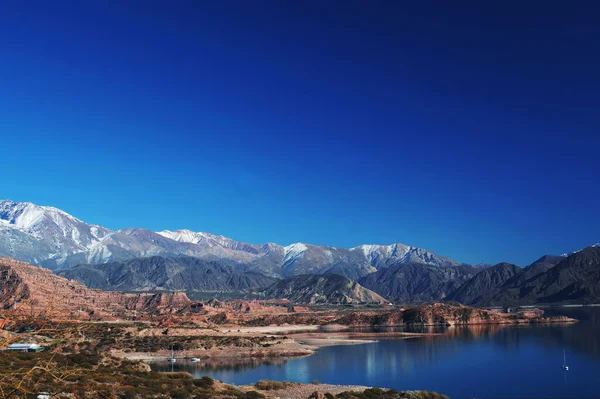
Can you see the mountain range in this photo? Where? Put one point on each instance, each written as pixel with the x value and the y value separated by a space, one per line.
pixel 418 283
pixel 142 260
pixel 322 289
pixel 49 237
pixel 565 279
pixel 177 273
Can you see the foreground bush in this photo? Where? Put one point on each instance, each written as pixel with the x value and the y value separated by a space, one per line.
pixel 378 393
pixel 268 385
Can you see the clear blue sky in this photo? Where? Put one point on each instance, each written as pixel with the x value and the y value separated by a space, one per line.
pixel 472 131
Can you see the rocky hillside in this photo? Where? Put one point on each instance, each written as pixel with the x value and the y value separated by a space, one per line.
pixel 417 283
pixel 167 273
pixel 317 289
pixel 572 279
pixel 484 282
pixel 31 289
pixel 54 239
pixel 576 279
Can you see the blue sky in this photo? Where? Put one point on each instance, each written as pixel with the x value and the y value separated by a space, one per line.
pixel 471 131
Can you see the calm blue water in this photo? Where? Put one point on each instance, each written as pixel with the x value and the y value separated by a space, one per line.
pixel 482 362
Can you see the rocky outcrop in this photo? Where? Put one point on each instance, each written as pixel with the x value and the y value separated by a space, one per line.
pixel 575 279
pixel 442 314
pixel 27 289
pixel 551 279
pixel 321 289
pixel 484 283
pixel 168 273
pixel 413 283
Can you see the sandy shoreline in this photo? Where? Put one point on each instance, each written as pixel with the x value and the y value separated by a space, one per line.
pixel 297 345
pixel 295 340
pixel 303 391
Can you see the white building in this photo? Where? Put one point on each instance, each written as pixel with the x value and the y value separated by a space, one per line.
pixel 25 347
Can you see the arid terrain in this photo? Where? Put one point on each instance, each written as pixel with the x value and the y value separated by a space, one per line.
pixel 114 333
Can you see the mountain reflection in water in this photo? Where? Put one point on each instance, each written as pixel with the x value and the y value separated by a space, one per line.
pixel 486 361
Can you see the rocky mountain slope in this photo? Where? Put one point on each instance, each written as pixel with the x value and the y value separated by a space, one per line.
pixel 575 279
pixel 167 273
pixel 315 289
pixel 484 282
pixel 417 283
pixel 54 239
pixel 551 279
pixel 32 290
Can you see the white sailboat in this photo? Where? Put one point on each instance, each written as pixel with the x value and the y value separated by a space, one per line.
pixel 565 367
pixel 172 358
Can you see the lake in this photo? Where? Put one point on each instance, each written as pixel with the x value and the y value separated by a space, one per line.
pixel 477 361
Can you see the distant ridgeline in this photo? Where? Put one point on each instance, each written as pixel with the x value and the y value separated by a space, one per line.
pixel 202 263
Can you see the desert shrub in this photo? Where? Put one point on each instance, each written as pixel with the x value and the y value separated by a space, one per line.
pixel 426 395
pixel 378 393
pixel 180 394
pixel 466 315
pixel 204 382
pixel 129 394
pixel 348 395
pixel 252 395
pixel 268 385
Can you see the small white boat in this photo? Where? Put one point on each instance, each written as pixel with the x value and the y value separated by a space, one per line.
pixel 195 359
pixel 172 358
pixel 565 367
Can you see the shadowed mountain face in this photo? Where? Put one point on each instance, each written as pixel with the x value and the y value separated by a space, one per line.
pixel 575 279
pixel 54 239
pixel 551 279
pixel 195 261
pixel 161 273
pixel 483 283
pixel 417 283
pixel 328 288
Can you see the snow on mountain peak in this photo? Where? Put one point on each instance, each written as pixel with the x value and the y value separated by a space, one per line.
pixel 193 237
pixel 294 251
pixel 597 245
pixel 50 236
pixel 25 215
pixel 58 233
pixel 20 214
pixel 374 251
pixel 182 235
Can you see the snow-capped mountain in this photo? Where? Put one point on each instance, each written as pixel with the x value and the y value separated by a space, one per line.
pixel 597 245
pixel 387 255
pixel 210 240
pixel 52 238
pixel 40 233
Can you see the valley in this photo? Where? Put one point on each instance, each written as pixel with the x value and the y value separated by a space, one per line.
pixel 90 329
pixel 207 265
pixel 122 303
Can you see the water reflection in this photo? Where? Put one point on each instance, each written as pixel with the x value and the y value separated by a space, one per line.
pixel 207 365
pixel 486 361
